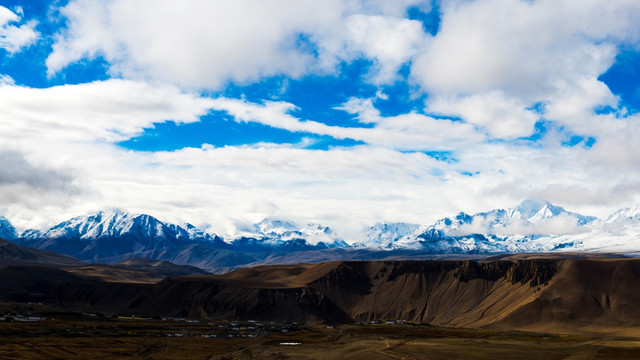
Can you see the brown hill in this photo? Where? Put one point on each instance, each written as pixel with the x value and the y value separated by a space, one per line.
pixel 32 283
pixel 136 270
pixel 32 275
pixel 547 295
pixel 114 274
pixel 159 268
pixel 14 254
pixel 590 295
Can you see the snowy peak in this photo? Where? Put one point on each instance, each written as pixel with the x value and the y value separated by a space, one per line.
pixel 274 226
pixel 387 235
pixel 535 210
pixel 7 231
pixel 111 224
pixel 116 235
pixel 315 234
pixel 504 230
pixel 31 234
pixel 626 215
pixel 455 222
pixel 196 234
pixel 276 232
pixel 538 211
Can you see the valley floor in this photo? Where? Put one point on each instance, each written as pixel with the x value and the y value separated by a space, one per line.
pixel 64 335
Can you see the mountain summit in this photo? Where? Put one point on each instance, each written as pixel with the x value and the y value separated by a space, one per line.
pixel 139 227
pixel 7 231
pixel 277 232
pixel 531 226
pixel 109 235
pixel 537 211
pixel 387 235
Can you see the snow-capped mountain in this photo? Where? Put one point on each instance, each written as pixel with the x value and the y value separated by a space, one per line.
pixel 199 235
pixel 531 226
pixel 530 217
pixel 627 216
pixel 387 235
pixel 30 235
pixel 272 232
pixel 108 224
pixel 111 235
pixel 7 231
pixel 273 226
pixel 315 234
pixel 538 211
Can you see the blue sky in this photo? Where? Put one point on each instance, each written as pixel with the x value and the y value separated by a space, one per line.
pixel 340 112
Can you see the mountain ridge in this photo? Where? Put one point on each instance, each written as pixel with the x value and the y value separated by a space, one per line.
pixel 531 226
pixel 543 295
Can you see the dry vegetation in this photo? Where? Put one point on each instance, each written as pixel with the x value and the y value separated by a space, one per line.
pixel 65 335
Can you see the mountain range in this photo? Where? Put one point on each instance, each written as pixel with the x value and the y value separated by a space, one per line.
pixel 545 293
pixel 531 226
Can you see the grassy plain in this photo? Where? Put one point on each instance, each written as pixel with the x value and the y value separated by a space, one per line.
pixel 64 335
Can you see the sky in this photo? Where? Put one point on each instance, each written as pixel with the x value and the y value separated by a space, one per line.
pixel 339 112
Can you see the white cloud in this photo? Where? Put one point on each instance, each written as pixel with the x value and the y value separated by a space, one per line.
pixel 193 43
pixel 66 133
pixel 524 48
pixel 491 61
pixel 502 116
pixel 389 42
pixel 68 130
pixel 562 224
pixel 345 188
pixel 12 37
pixel 495 59
pixel 28 184
pixel 204 44
pixel 109 110
pixel 410 131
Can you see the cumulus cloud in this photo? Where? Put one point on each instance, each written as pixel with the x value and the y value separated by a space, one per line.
pixel 490 63
pixel 496 59
pixel 389 42
pixel 13 37
pixel 499 114
pixel 109 110
pixel 525 48
pixel 204 44
pixel 346 188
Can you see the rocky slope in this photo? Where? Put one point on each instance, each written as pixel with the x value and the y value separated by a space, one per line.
pixel 556 295
pixel 13 254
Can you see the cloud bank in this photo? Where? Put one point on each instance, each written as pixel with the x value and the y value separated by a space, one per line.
pixel 507 93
